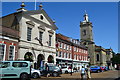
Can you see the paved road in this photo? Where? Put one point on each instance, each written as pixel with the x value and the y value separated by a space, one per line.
pixel 107 75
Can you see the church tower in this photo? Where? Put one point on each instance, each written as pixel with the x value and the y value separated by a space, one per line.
pixel 87 38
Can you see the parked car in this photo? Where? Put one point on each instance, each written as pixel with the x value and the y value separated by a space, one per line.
pixel 95 69
pixel 66 69
pixel 15 69
pixel 53 71
pixel 35 73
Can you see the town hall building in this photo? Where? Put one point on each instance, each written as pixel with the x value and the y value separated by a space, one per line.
pixel 30 35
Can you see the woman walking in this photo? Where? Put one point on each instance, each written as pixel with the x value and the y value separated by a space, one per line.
pixel 82 72
pixel 88 73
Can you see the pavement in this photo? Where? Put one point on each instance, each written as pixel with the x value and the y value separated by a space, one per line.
pixel 107 75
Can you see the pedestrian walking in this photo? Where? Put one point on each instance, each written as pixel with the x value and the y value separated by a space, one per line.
pixel 88 72
pixel 59 66
pixel 82 73
pixel 47 70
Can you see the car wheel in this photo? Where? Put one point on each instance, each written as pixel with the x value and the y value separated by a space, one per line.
pixel 35 75
pixel 55 74
pixel 98 71
pixel 24 76
pixel 66 72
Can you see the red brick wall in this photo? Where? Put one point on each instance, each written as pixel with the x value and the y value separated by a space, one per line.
pixel 8 43
pixel 73 52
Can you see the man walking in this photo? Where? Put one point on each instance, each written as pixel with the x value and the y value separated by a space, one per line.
pixel 88 73
pixel 47 69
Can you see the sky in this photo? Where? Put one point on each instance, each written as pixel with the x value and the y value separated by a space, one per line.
pixel 103 15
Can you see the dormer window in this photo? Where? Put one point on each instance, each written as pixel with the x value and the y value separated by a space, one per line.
pixel 41 17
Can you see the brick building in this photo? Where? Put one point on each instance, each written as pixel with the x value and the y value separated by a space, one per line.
pixel 9 37
pixel 69 51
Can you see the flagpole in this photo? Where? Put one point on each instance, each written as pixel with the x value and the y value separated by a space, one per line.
pixel 35 4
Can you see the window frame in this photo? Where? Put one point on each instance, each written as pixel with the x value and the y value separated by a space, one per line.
pixel 50 40
pixel 13 55
pixel 4 51
pixel 41 36
pixel 29 33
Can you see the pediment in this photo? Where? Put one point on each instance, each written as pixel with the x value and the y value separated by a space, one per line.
pixel 41 16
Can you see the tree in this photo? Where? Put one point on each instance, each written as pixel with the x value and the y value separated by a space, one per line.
pixel 116 59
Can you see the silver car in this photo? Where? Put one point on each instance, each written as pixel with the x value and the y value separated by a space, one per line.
pixel 35 73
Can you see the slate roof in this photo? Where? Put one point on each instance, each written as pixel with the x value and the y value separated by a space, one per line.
pixel 68 40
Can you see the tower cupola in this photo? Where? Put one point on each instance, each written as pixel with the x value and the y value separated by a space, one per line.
pixel 86 17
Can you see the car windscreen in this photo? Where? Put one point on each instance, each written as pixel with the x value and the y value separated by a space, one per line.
pixel 4 64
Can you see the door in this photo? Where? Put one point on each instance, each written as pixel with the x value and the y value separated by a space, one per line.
pixel 20 67
pixel 6 70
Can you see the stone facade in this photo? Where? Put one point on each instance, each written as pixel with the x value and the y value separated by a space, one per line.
pixel 36 41
pixel 42 42
pixel 98 55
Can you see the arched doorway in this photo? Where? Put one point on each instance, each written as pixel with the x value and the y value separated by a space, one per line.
pixel 28 57
pixel 40 61
pixel 98 58
pixel 50 59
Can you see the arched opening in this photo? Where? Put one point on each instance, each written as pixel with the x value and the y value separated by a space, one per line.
pixel 50 59
pixel 40 61
pixel 98 57
pixel 84 32
pixel 28 57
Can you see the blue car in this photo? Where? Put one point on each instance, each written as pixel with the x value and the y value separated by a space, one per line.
pixel 95 69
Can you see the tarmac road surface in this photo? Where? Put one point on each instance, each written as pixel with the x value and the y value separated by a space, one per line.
pixel 107 75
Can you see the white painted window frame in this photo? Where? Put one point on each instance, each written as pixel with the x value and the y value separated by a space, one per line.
pixel 13 52
pixel 4 50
